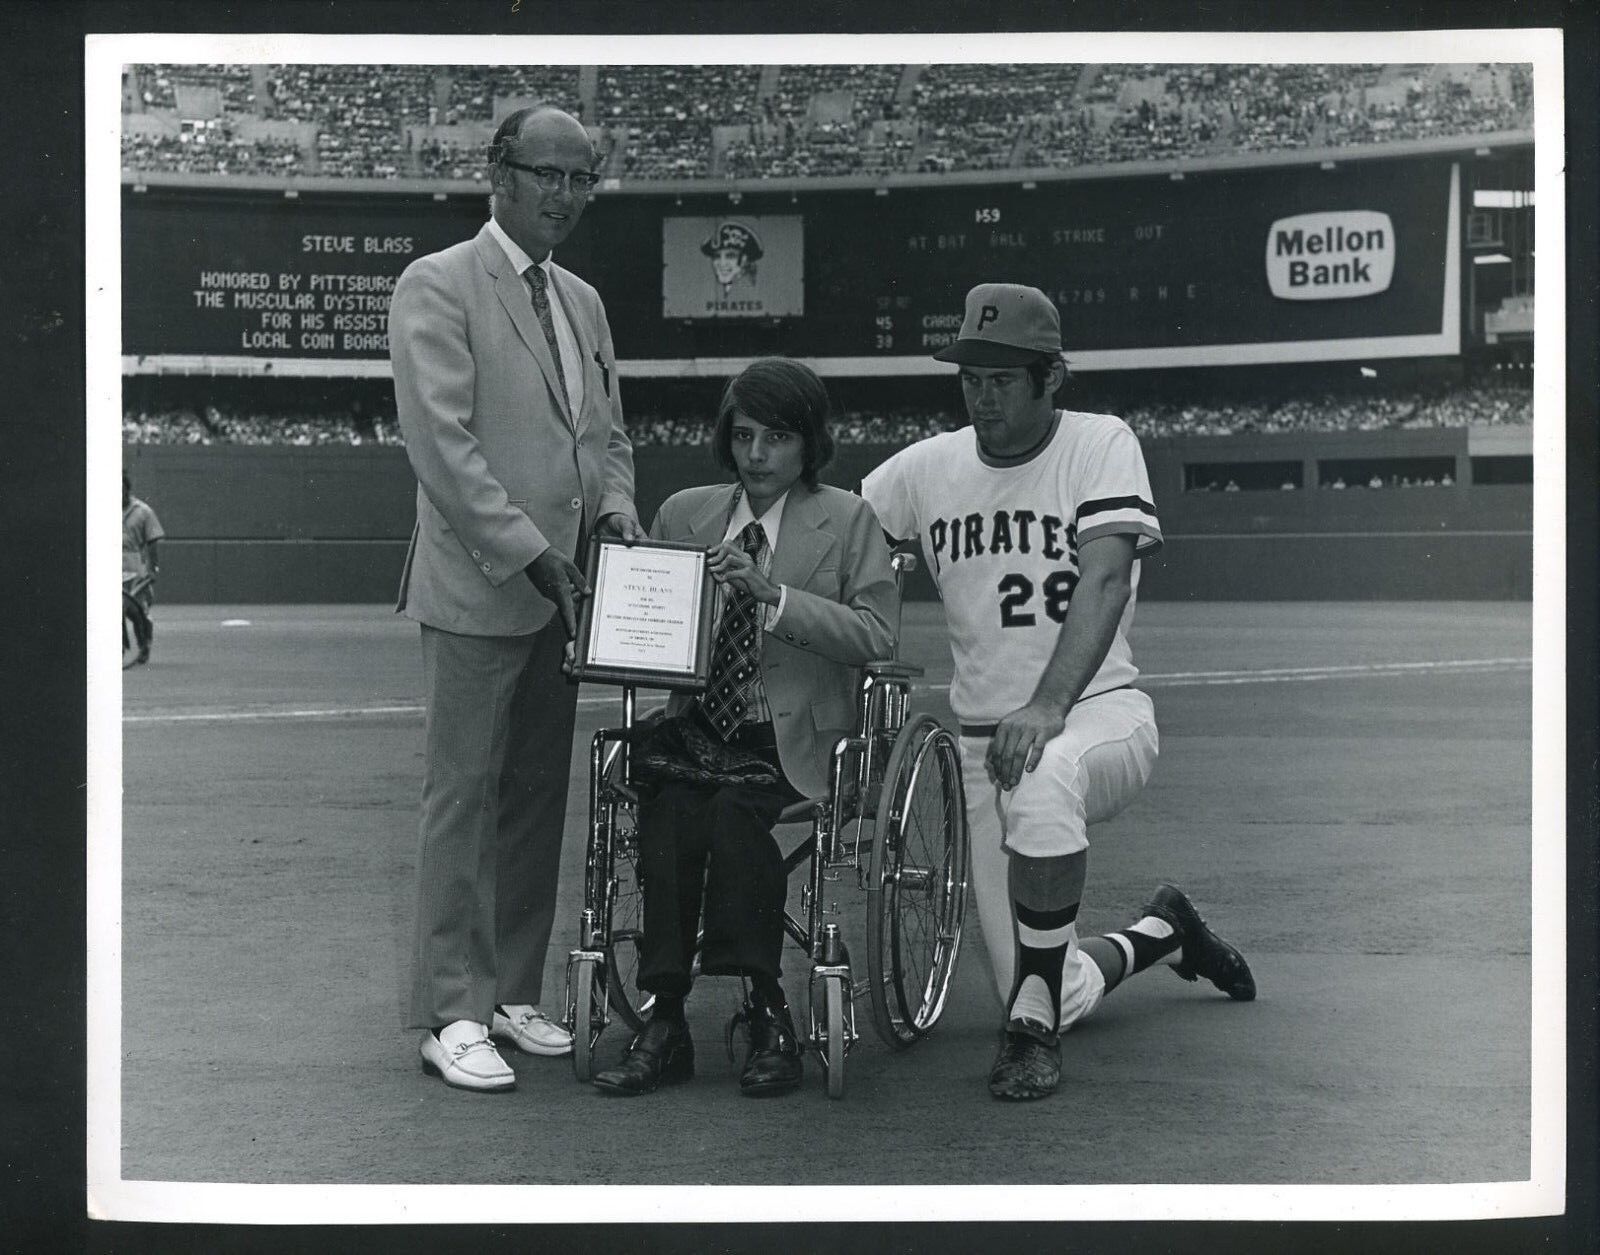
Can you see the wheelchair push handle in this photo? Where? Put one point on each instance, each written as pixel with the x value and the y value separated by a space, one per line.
pixel 902 562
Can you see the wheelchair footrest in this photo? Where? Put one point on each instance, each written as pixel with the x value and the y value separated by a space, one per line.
pixel 892 669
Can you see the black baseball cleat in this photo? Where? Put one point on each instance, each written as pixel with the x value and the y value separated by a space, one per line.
pixel 1204 953
pixel 1029 1063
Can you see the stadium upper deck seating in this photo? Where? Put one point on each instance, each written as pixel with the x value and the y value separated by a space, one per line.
pixel 809 120
pixel 473 89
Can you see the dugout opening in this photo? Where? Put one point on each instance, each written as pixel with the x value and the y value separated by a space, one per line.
pixel 1243 476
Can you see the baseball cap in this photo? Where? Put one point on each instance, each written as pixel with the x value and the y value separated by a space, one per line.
pixel 1006 324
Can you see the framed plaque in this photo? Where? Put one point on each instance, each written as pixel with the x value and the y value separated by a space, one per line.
pixel 648 618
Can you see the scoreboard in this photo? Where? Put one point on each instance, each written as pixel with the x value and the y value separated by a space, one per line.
pixel 223 276
pixel 1262 264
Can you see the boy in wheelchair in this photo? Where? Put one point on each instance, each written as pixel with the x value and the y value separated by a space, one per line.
pixel 806 595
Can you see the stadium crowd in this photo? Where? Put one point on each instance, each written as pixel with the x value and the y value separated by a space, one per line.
pixel 473 89
pixel 211 148
pixel 1473 404
pixel 815 120
pixel 668 112
pixel 213 425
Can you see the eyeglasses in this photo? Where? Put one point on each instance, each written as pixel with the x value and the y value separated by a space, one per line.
pixel 549 179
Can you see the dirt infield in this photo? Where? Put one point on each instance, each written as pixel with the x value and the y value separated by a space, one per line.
pixel 1343 789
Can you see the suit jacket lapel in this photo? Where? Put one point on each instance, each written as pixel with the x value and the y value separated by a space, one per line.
pixel 560 289
pixel 513 292
pixel 803 540
pixel 711 520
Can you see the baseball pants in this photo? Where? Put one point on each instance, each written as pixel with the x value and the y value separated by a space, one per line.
pixel 1099 763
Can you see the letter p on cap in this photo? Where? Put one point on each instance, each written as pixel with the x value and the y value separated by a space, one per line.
pixel 987 315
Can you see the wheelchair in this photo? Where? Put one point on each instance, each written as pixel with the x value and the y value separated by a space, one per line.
pixel 894 821
pixel 136 629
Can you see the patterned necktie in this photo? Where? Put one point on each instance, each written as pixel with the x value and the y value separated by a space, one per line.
pixel 736 656
pixel 538 288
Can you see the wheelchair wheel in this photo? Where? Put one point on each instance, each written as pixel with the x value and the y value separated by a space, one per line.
pixel 627 932
pixel 833 1012
pixel 917 885
pixel 588 1017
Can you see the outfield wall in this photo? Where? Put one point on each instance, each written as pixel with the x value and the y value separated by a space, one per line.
pixel 253 524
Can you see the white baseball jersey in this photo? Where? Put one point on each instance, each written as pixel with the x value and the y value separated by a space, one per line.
pixel 1002 542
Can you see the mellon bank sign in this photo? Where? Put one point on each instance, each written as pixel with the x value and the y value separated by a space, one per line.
pixel 1330 256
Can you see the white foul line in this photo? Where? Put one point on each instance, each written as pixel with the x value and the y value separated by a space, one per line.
pixel 1169 679
pixel 1273 675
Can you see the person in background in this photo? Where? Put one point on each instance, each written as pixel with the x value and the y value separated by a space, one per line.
pixel 141 559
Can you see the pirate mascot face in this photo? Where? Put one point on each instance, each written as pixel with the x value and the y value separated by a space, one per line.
pixel 734 250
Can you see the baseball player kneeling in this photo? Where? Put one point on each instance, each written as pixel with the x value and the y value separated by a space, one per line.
pixel 1033 521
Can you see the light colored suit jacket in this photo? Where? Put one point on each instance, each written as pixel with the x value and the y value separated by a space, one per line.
pixel 504 470
pixel 839 613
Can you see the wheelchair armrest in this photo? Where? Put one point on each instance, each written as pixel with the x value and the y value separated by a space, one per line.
pixel 892 669
pixel 798 812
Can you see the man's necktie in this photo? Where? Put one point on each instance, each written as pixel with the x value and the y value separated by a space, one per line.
pixel 736 655
pixel 538 287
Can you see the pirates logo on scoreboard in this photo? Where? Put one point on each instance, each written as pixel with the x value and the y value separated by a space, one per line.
pixel 724 267
pixel 734 249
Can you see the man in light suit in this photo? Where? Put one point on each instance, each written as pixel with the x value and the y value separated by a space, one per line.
pixel 506 388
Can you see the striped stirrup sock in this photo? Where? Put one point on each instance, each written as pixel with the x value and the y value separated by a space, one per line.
pixel 1043 938
pixel 1144 943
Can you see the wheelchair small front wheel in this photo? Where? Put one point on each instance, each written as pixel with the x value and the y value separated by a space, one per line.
pixel 588 1016
pixel 917 883
pixel 833 1015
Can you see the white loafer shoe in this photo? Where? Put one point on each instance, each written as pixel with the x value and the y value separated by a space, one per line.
pixel 463 1057
pixel 531 1031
